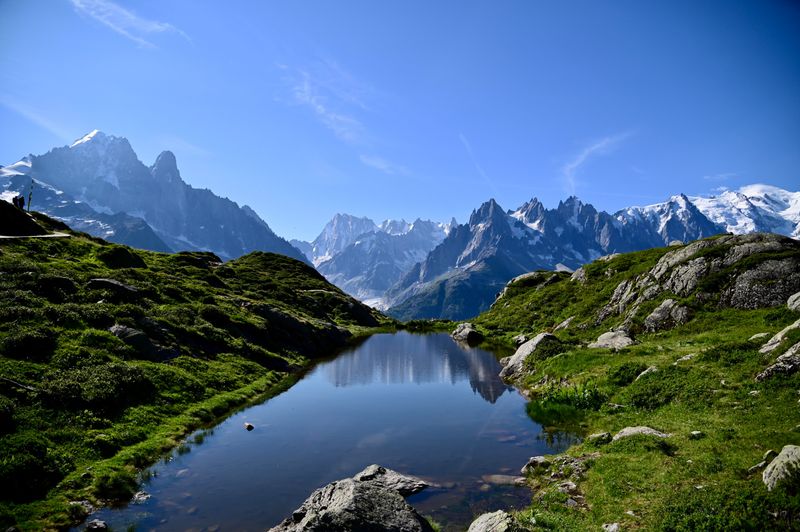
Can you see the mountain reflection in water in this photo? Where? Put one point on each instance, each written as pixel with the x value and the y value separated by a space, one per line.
pixel 399 360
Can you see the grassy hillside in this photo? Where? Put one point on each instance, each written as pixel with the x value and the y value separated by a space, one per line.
pixel 704 381
pixel 109 356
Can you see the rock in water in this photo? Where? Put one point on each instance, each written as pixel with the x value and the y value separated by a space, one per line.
pixel 498 521
pixel 465 332
pixel 513 365
pixel 784 468
pixel 371 500
pixel 615 340
pixel 248 426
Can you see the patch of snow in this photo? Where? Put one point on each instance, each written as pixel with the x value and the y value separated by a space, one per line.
pixel 86 138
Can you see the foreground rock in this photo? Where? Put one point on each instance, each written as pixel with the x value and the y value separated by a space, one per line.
pixel 794 302
pixel 636 431
pixel 786 364
pixel 513 365
pixel 784 468
pixel 371 500
pixel 465 332
pixel 498 521
pixel 615 340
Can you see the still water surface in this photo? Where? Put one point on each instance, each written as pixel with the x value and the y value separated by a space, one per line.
pixel 419 404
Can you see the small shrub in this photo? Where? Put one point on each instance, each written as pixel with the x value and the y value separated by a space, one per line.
pixel 118 486
pixel 669 384
pixel 730 353
pixel 29 466
pixel 106 387
pixel 626 373
pixel 29 344
pixel 6 414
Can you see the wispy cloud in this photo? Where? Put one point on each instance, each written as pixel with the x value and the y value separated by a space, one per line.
pixel 125 22
pixel 35 116
pixel 725 176
pixel 333 94
pixel 379 163
pixel 600 147
pixel 474 160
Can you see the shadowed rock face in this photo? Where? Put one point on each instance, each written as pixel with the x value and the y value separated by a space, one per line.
pixel 370 501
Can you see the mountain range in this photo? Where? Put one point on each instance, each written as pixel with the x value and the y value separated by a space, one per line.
pixel 419 269
pixel 98 185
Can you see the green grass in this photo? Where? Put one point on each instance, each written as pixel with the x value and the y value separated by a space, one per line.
pixel 82 411
pixel 679 483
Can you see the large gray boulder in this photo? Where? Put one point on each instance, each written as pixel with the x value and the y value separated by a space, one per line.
pixel 615 340
pixel 636 431
pixel 793 303
pixel 776 340
pixel 371 500
pixel 784 468
pixel 465 332
pixel 513 365
pixel 499 521
pixel 667 315
pixel 786 364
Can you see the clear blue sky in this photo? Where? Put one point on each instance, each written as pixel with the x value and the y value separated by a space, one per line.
pixel 406 109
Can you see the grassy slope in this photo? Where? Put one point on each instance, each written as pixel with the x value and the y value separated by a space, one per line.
pixel 683 485
pixel 96 409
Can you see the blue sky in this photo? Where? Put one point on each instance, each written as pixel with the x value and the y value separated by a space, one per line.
pixel 415 109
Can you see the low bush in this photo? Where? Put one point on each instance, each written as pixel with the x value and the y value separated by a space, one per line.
pixel 118 486
pixel 29 344
pixel 626 373
pixel 29 466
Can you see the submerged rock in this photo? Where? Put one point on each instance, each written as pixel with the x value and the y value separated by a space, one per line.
pixel 96 524
pixel 615 340
pixel 371 500
pixel 784 468
pixel 465 332
pixel 499 521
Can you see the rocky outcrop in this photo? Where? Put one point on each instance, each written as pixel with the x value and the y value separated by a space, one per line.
pixel 637 431
pixel 785 468
pixel 773 343
pixel 667 315
pixel 466 332
pixel 615 340
pixel 116 288
pixel 786 364
pixel 499 521
pixel 768 278
pixel 513 365
pixel 371 500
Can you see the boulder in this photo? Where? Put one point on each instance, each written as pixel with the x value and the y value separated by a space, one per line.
pixel 96 524
pixel 648 371
pixel 499 521
pixel 783 468
pixel 117 288
pixel 371 500
pixel 615 340
pixel 465 332
pixel 786 364
pixel 776 340
pixel 513 365
pixel 696 435
pixel 794 302
pixel 768 284
pixel 599 438
pixel 520 339
pixel 534 463
pixel 667 315
pixel 564 324
pixel 610 527
pixel 635 431
pixel 405 485
pixel 142 343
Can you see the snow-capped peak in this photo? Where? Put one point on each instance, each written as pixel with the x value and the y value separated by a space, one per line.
pixel 20 167
pixel 86 138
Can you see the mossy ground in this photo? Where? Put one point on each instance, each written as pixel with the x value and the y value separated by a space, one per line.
pixel 682 483
pixel 82 411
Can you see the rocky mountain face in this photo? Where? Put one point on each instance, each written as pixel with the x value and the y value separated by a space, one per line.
pixel 462 276
pixel 98 185
pixel 365 259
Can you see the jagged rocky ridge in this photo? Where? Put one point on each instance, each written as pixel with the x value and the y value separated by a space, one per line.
pixel 98 185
